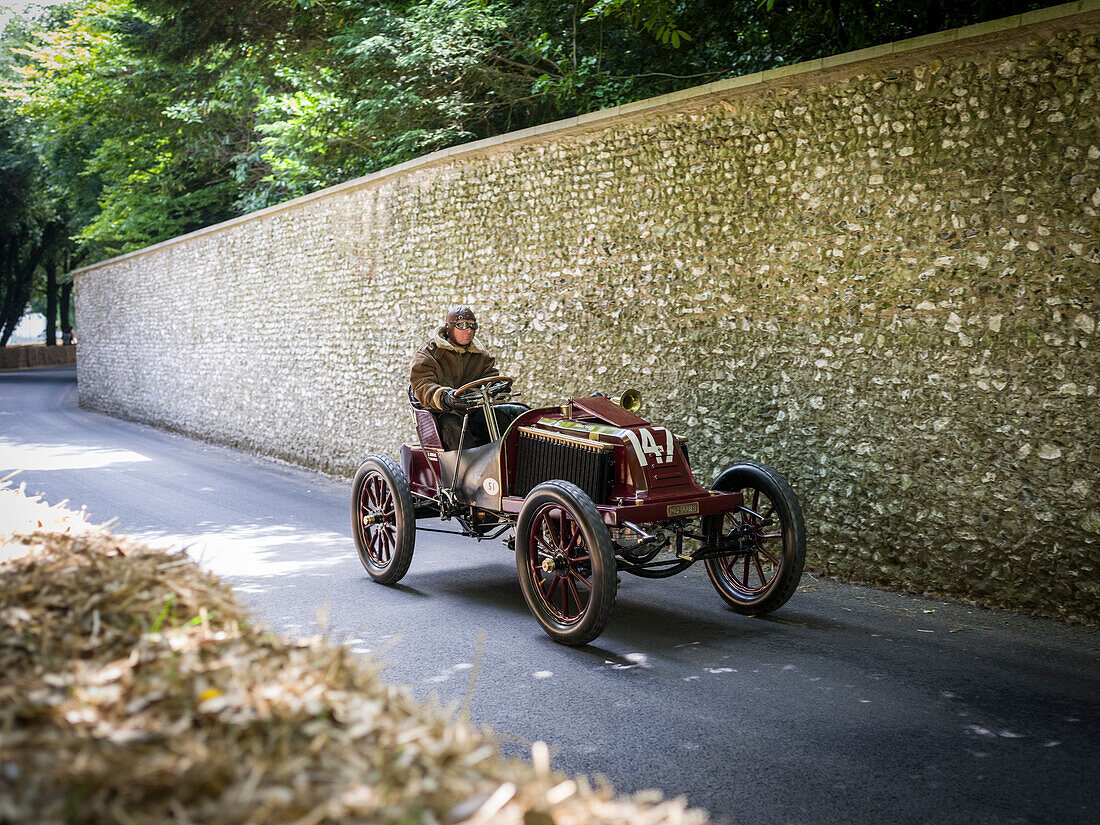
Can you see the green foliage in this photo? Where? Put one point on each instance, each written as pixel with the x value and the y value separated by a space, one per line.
pixel 32 229
pixel 155 141
pixel 652 16
pixel 151 118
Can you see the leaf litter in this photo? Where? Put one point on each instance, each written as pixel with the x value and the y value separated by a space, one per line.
pixel 138 690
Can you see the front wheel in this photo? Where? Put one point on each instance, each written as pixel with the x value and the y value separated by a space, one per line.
pixel 565 562
pixel 767 539
pixel 383 520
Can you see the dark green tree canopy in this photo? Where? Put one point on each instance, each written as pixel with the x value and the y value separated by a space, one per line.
pixel 151 118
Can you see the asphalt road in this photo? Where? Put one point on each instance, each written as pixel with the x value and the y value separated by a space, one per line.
pixel 850 705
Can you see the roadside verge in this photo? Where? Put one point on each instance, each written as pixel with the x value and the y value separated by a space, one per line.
pixel 24 356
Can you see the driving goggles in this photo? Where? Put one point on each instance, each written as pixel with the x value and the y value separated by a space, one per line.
pixel 464 324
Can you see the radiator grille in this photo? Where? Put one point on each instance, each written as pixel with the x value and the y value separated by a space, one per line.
pixel 544 456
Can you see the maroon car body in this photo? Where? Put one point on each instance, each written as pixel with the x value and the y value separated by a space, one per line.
pixel 650 478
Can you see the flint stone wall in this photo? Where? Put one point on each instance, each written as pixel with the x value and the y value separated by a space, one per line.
pixel 878 273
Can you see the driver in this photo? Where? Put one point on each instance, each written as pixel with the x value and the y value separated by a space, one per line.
pixel 452 359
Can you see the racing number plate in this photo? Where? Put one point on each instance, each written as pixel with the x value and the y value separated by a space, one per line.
pixel 683 509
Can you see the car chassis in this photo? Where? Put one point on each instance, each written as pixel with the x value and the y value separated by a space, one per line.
pixel 588 490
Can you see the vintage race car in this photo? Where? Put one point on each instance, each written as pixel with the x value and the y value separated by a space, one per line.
pixel 582 492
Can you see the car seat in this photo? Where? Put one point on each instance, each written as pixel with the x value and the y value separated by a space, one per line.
pixel 426 428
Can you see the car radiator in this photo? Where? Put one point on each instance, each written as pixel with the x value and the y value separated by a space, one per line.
pixel 543 456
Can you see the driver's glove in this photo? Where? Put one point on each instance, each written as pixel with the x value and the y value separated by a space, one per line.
pixel 451 402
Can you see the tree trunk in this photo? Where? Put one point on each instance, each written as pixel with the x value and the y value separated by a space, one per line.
pixel 17 289
pixel 21 294
pixel 51 303
pixel 66 324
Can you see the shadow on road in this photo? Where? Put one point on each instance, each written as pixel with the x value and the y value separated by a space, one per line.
pixel 649 615
pixel 41 375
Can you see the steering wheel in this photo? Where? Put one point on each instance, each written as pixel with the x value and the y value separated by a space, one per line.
pixel 494 385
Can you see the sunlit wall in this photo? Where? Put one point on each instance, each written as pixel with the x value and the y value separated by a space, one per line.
pixel 878 273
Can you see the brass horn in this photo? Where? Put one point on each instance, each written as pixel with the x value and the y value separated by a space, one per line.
pixel 630 400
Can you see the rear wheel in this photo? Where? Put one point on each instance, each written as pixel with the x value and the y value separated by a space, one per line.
pixel 769 536
pixel 565 562
pixel 382 519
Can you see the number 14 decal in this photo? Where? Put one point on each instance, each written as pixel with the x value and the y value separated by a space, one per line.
pixel 647 447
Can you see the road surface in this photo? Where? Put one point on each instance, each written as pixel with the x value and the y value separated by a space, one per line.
pixel 850 705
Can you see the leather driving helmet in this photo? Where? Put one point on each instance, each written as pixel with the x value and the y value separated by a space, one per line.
pixel 463 315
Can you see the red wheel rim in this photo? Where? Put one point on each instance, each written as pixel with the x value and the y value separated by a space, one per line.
pixel 752 573
pixel 377 520
pixel 560 564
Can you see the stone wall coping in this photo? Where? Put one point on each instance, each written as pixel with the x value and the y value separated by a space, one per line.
pixel 1022 23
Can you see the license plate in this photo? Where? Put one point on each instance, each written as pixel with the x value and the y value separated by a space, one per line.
pixel 683 509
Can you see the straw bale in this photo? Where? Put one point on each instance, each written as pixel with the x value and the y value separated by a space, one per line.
pixel 26 356
pixel 137 690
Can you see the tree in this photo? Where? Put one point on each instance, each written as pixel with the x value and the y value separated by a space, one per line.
pixel 27 233
pixel 51 285
pixel 152 118
pixel 818 28
pixel 153 146
pixel 35 228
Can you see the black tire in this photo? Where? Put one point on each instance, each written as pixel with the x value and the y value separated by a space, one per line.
pixel 770 523
pixel 559 522
pixel 383 520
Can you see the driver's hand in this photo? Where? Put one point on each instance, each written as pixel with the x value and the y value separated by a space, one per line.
pixel 454 403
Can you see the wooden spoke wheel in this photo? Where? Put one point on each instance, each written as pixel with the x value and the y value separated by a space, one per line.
pixel 382 519
pixel 766 540
pixel 565 562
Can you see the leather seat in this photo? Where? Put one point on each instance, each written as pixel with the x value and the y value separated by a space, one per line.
pixel 426 428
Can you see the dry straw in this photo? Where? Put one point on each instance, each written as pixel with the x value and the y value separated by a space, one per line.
pixel 137 690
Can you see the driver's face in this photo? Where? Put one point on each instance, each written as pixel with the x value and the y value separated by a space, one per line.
pixel 462 337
